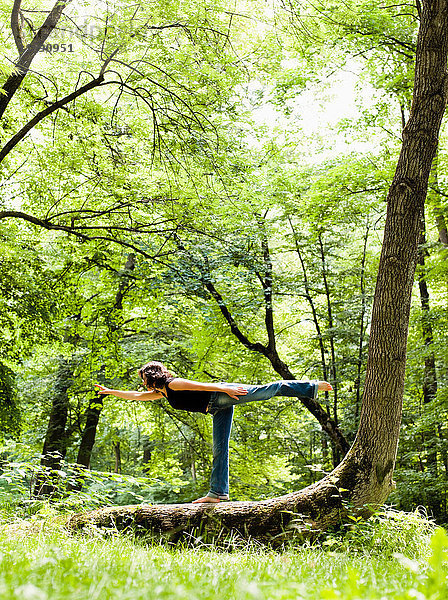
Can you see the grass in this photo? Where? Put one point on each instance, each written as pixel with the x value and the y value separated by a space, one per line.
pixel 392 556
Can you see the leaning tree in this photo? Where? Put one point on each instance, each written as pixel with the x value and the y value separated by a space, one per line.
pixel 364 478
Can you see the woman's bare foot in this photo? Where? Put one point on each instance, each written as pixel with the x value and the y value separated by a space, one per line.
pixel 206 499
pixel 324 386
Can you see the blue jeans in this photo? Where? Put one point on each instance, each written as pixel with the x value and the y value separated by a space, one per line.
pixel 221 408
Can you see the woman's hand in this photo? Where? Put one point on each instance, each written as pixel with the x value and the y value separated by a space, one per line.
pixel 102 389
pixel 234 392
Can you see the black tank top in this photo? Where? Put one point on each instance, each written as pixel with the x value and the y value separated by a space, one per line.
pixel 191 400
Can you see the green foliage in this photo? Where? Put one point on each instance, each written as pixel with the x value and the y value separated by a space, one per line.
pixel 385 534
pixel 76 488
pixel 27 296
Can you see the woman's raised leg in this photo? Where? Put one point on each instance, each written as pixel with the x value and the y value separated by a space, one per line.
pixel 258 393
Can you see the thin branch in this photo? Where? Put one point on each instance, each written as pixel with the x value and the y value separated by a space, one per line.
pixel 439 191
pixel 310 300
pixel 407 4
pixel 48 224
pixel 240 336
pixel 172 94
pixel 267 283
pixel 419 9
pixel 16 26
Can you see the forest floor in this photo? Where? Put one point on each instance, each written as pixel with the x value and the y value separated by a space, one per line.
pixel 392 556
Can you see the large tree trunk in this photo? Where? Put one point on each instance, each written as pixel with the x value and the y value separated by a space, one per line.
pixel 364 478
pixel 371 460
pixel 55 444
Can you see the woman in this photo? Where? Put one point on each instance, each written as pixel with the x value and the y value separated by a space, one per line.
pixel 217 399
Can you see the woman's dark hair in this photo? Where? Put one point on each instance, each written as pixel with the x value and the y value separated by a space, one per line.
pixel 155 374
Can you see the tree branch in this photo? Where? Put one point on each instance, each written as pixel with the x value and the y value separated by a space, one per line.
pixel 310 301
pixel 16 27
pixel 18 137
pixel 78 232
pixel 22 65
pixel 267 283
pixel 240 336
pixel 334 379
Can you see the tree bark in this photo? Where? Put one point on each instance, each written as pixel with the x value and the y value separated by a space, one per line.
pixel 89 433
pixel 55 444
pixel 364 477
pixel 117 454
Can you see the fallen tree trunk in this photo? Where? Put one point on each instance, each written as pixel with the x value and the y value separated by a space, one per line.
pixel 364 478
pixel 305 513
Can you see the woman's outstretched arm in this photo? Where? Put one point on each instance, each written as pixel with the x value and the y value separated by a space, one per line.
pixel 141 396
pixel 186 384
